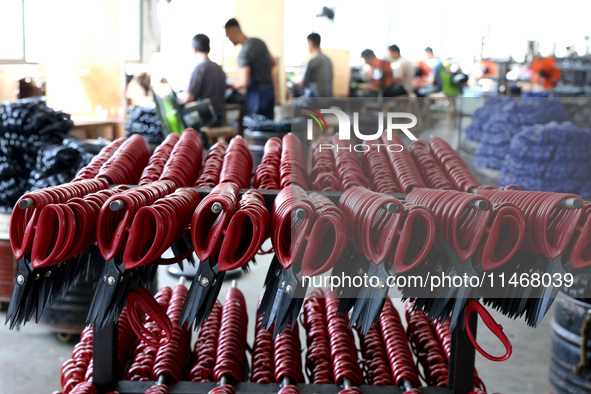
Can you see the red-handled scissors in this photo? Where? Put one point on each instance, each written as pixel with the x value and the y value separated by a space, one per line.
pixel 246 232
pixel 292 218
pixel 493 326
pixel 417 228
pixel 157 227
pixel 326 240
pixel 211 219
pixel 140 303
pixel 503 236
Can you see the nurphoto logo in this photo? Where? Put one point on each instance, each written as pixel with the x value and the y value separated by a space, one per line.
pixel 344 133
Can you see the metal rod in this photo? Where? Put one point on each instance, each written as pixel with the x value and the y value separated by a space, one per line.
pixel 479 204
pixel 347 383
pixel 300 213
pixel 162 379
pixel 461 360
pixel 391 207
pixel 105 362
pixel 225 379
pixel 570 202
pixel 117 205
pixel 285 381
pixel 407 384
pixel 216 207
pixel 26 203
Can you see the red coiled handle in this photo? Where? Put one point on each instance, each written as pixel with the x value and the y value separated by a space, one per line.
pixel 291 219
pixel 212 166
pixel 248 228
pixel 211 219
pixel 504 236
pixel 373 220
pixel 455 168
pixel 581 250
pixel 266 176
pixel 141 302
pixel 327 238
pixel 416 238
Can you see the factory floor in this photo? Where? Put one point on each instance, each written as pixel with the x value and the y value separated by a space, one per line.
pixel 31 358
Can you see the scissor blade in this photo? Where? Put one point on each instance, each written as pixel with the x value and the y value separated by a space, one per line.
pixel 371 299
pixel 355 266
pixel 279 312
pixel 197 294
pixel 104 293
pixel 271 284
pixel 282 306
pixel 211 298
pixel 549 293
pixel 45 288
pixel 20 291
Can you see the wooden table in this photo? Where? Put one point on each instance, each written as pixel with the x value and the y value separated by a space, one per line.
pixel 92 128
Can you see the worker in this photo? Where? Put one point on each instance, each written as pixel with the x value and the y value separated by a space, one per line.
pixel 403 73
pixel 317 74
pixel 254 73
pixel 430 59
pixel 380 74
pixel 208 80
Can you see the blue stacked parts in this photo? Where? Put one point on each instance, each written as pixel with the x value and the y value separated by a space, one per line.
pixel 481 116
pixel 505 119
pixel 550 157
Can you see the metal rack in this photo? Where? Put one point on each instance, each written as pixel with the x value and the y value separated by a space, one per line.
pixel 106 369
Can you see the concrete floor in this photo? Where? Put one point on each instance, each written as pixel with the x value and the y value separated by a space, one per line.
pixel 31 358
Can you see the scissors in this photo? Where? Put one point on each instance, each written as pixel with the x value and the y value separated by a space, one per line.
pixel 291 221
pixel 414 237
pixel 208 226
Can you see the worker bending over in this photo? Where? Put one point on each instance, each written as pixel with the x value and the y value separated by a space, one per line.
pixel 254 72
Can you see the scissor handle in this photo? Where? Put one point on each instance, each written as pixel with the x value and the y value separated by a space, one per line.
pixel 141 302
pixel 504 236
pixel 582 239
pixel 419 226
pixel 493 326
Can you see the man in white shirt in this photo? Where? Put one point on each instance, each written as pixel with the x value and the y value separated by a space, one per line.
pixel 403 72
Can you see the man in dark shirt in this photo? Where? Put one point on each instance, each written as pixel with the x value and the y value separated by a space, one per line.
pixel 317 75
pixel 380 77
pixel 208 80
pixel 254 72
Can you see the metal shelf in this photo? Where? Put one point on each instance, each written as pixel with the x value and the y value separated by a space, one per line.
pixel 128 387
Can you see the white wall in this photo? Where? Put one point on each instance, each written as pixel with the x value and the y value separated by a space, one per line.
pixel 453 28
pixel 183 19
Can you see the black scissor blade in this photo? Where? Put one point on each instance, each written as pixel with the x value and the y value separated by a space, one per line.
pixel 548 294
pixel 271 283
pixel 371 299
pixel 212 297
pixel 104 293
pixel 20 291
pixel 353 267
pixel 198 291
pixel 282 305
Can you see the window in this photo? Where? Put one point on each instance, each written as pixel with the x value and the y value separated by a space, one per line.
pixel 130 14
pixel 11 27
pixel 23 23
